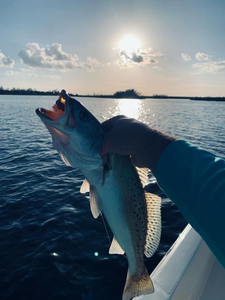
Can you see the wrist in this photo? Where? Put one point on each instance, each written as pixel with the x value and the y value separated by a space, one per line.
pixel 160 142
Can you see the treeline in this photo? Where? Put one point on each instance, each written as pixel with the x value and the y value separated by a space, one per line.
pixel 128 94
pixel 132 93
pixel 29 91
pixel 208 98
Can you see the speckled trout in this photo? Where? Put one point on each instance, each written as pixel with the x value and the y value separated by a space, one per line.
pixel 115 186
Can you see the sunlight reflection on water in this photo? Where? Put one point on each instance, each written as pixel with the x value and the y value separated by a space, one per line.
pixel 130 107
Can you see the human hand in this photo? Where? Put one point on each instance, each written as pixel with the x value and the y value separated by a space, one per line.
pixel 130 137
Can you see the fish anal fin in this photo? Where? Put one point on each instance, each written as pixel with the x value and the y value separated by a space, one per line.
pixel 115 248
pixel 85 187
pixel 153 204
pixel 143 175
pixel 94 202
pixel 136 286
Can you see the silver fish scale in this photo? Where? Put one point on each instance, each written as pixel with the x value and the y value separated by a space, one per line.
pixel 124 172
pixel 139 212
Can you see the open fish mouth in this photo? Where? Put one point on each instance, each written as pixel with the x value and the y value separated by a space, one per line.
pixel 58 109
pixel 60 120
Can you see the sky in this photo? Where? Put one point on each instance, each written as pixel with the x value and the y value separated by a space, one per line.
pixel 174 47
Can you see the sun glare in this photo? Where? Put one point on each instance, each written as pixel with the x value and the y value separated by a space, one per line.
pixel 130 107
pixel 129 44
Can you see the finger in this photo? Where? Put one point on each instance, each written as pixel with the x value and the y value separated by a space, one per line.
pixel 137 162
pixel 108 125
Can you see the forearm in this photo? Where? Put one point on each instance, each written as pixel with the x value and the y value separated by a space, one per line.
pixel 194 180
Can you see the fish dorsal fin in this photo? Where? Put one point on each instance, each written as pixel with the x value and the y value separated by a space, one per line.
pixel 85 187
pixel 94 202
pixel 143 175
pixel 115 248
pixel 153 234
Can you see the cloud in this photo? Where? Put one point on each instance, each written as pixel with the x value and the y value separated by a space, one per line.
pixel 33 75
pixel 140 57
pixel 202 56
pixel 121 64
pixel 6 61
pixel 53 57
pixel 149 52
pixel 90 63
pixel 51 76
pixel 133 57
pixel 55 50
pixel 211 67
pixel 11 73
pixel 26 70
pixel 185 57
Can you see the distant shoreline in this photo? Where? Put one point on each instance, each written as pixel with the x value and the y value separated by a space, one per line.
pixel 155 97
pixel 208 98
pixel 56 93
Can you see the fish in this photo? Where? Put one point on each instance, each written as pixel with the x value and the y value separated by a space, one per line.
pixel 115 186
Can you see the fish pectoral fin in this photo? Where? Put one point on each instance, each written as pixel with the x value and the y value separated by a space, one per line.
pixel 143 175
pixel 115 248
pixel 153 204
pixel 85 187
pixel 94 202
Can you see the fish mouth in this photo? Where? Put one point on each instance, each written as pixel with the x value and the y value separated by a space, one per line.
pixel 59 109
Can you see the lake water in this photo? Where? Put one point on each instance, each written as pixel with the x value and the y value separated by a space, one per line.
pixel 51 247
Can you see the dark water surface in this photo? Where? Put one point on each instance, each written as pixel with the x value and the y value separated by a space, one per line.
pixel 48 236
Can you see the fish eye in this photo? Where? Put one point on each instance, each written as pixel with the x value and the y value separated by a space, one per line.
pixel 83 116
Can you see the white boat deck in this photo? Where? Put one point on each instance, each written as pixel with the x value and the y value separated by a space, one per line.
pixel 189 271
pixel 215 284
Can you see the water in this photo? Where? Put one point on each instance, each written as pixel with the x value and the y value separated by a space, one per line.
pixel 51 247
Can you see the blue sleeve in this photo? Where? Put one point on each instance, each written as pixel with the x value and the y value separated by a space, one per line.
pixel 194 180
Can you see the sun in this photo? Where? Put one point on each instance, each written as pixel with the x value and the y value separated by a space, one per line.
pixel 129 44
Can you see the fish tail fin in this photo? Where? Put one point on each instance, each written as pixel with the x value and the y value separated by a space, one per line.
pixel 136 286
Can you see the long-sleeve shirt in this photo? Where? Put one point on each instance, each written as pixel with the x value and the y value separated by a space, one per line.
pixel 194 179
